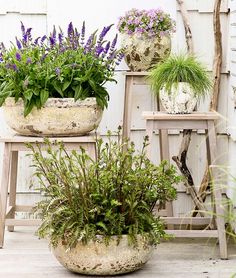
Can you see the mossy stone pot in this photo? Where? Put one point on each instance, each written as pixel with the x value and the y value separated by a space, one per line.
pixel 181 99
pixel 142 53
pixel 58 117
pixel 97 258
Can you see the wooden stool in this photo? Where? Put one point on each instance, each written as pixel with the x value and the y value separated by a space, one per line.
pixel 197 121
pixel 12 145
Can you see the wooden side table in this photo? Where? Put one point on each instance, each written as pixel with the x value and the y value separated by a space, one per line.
pixel 12 145
pixel 196 121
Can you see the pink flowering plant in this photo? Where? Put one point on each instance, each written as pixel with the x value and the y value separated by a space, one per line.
pixel 149 23
pixel 58 66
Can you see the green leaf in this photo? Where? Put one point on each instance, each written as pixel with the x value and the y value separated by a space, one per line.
pixel 28 94
pixel 78 92
pixel 28 107
pixel 57 86
pixel 44 95
pixel 66 84
pixel 102 225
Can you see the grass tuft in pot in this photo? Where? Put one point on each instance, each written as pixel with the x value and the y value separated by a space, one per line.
pixel 112 196
pixel 181 68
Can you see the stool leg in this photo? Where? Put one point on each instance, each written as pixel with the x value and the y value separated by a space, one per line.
pixel 127 107
pixel 149 133
pixel 4 189
pixel 13 182
pixel 217 194
pixel 91 150
pixel 165 155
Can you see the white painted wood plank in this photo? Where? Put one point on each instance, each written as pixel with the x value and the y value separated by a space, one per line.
pixel 23 6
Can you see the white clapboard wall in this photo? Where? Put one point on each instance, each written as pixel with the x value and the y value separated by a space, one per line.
pixel 43 14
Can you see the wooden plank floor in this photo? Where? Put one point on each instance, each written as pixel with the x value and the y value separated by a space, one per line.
pixel 25 256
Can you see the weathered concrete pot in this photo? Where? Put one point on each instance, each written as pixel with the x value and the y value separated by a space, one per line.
pixel 58 117
pixel 95 258
pixel 142 53
pixel 181 100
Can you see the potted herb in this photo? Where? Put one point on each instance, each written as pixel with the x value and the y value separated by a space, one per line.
pixel 98 215
pixel 180 81
pixel 55 85
pixel 146 37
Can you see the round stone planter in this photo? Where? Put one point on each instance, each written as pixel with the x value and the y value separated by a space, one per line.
pixel 181 100
pixel 58 117
pixel 97 258
pixel 142 53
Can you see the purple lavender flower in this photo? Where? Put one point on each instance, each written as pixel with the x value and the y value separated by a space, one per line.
pixel 107 48
pixel 113 43
pixel 24 39
pixel 58 71
pixel 18 43
pixel 28 33
pixel 18 56
pixel 60 37
pixel 14 67
pixel 1 59
pixel 70 30
pixel 28 61
pixel 43 39
pixel 54 33
pixel 52 41
pixel 104 32
pixel 36 41
pixel 99 50
pixel 22 28
pixel 89 43
pixel 83 33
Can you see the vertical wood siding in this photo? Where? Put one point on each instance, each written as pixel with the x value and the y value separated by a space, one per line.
pixel 42 15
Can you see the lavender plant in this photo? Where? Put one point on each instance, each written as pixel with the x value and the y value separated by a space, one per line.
pixel 149 23
pixel 60 66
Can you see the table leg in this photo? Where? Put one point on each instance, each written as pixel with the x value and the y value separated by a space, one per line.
pixel 149 133
pixel 13 183
pixel 217 192
pixel 4 189
pixel 127 106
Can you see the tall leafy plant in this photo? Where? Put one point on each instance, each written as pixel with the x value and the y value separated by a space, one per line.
pixel 60 65
pixel 112 195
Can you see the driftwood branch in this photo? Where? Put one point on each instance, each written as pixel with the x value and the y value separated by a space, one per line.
pixel 188 32
pixel 180 160
pixel 217 65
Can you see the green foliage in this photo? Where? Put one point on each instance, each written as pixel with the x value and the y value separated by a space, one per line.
pixel 180 68
pixel 113 195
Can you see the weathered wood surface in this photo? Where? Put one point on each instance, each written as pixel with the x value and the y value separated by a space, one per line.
pixel 24 256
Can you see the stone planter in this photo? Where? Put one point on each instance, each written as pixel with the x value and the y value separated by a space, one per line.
pixel 58 117
pixel 142 53
pixel 181 100
pixel 97 258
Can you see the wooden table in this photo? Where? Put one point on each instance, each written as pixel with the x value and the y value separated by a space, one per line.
pixel 13 144
pixel 196 121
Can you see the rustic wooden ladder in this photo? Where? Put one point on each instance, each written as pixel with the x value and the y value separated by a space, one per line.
pixel 13 144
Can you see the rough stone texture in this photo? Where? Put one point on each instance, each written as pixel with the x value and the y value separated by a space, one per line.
pixel 142 53
pixel 97 258
pixel 58 117
pixel 181 100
